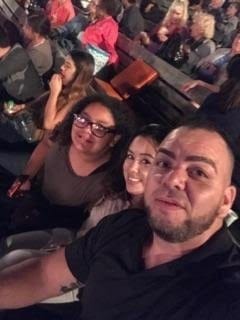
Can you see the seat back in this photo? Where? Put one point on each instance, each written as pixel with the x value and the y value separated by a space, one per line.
pixel 133 78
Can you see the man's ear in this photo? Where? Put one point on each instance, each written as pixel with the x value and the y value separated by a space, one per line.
pixel 229 197
pixel 115 139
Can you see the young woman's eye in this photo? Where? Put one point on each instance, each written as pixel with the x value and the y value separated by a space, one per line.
pixel 163 164
pixel 146 161
pixel 129 156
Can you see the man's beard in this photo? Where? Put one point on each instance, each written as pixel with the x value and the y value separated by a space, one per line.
pixel 188 229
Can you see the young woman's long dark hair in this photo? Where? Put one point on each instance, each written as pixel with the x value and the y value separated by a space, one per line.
pixel 77 89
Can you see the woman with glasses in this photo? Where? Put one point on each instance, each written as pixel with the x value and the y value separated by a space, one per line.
pixel 85 150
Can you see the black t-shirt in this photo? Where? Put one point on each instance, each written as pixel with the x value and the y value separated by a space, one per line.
pixel 201 285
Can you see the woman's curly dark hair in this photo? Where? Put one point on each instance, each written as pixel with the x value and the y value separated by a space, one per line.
pixel 122 115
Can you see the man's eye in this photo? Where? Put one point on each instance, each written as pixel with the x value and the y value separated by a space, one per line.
pixel 163 164
pixel 198 173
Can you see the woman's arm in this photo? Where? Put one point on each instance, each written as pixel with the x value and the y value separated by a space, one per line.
pixel 199 83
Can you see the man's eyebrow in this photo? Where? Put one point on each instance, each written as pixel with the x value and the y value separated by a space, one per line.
pixel 203 159
pixel 167 152
pixel 190 158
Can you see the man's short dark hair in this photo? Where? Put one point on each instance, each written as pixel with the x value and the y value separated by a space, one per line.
pixel 4 38
pixel 111 7
pixel 202 122
pixel 40 24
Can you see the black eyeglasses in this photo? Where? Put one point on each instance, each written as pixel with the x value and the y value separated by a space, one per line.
pixel 97 129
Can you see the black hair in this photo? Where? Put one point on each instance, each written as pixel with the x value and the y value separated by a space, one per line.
pixel 154 132
pixel 4 38
pixel 201 121
pixel 40 24
pixel 111 7
pixel 229 90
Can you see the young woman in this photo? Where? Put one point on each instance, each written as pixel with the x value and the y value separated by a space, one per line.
pixel 68 87
pixel 126 190
pixel 86 148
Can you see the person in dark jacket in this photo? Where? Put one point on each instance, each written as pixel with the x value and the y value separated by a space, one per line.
pixel 132 22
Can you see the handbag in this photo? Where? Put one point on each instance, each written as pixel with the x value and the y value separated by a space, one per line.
pixel 100 57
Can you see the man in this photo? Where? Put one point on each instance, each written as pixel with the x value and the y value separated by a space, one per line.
pixel 36 31
pixel 132 22
pixel 18 78
pixel 176 262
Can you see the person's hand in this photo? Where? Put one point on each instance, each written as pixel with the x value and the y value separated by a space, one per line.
pixel 55 84
pixel 190 85
pixel 163 34
pixel 143 38
pixel 19 185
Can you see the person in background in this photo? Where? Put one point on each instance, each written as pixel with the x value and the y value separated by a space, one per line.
pixel 224 107
pixel 224 31
pixel 132 22
pixel 174 22
pixel 59 12
pixel 200 44
pixel 174 260
pixel 103 31
pixel 211 71
pixel 36 31
pixel 68 87
pixel 19 79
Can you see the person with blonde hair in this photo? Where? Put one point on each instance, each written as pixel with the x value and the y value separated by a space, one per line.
pixel 200 44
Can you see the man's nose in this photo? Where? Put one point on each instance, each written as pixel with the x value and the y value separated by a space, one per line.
pixel 176 179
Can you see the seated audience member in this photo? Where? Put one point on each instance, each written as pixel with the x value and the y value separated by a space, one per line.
pixel 132 22
pixel 224 107
pixel 152 9
pixel 167 38
pixel 175 260
pixel 215 8
pixel 225 29
pixel 36 31
pixel 103 31
pixel 200 45
pixel 59 12
pixel 19 79
pixel 211 71
pixel 68 87
pixel 86 147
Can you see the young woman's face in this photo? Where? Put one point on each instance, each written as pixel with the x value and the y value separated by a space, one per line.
pixel 139 158
pixel 90 131
pixel 68 70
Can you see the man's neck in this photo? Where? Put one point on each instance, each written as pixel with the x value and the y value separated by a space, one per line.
pixel 36 41
pixel 160 251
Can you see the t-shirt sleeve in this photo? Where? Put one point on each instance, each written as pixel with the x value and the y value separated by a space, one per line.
pixel 81 253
